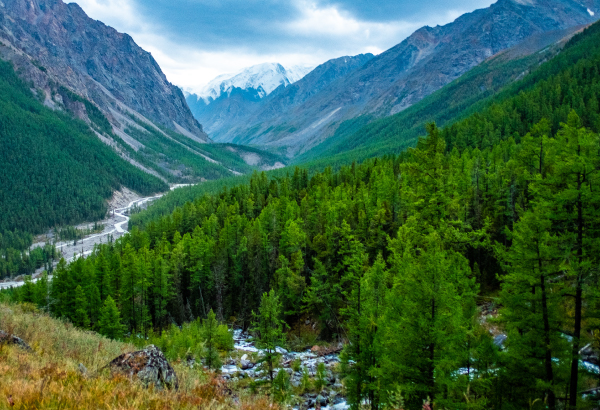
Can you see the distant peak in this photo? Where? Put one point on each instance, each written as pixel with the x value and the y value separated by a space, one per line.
pixel 264 78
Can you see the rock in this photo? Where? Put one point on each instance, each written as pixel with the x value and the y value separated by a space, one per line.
pixel 280 350
pixel 315 349
pixel 149 365
pixel 5 338
pixel 244 357
pixel 83 370
pixel 246 364
pixel 93 60
pixel 321 400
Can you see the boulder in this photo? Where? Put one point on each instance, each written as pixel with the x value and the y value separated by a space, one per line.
pixel 9 339
pixel 246 364
pixel 149 365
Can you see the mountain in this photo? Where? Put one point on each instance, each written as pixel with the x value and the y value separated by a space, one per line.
pixel 423 63
pixel 55 170
pixel 53 42
pixel 264 78
pixel 81 66
pixel 227 116
pixel 84 111
pixel 364 137
pixel 229 97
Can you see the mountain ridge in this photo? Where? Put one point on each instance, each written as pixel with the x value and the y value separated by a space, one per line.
pixel 421 64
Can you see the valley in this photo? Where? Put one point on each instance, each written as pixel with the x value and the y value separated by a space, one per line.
pixel 114 227
pixel 408 227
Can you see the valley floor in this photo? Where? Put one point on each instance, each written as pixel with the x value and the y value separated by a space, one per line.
pixel 115 226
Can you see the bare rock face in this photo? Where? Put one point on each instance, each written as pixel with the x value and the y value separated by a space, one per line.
pixel 150 367
pixel 52 43
pixel 9 339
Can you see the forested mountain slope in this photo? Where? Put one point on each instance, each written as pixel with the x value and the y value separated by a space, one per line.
pixel 394 256
pixel 92 59
pixel 71 58
pixel 423 63
pixel 54 169
pixel 493 80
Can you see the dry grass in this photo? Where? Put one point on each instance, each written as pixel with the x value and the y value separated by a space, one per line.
pixel 49 377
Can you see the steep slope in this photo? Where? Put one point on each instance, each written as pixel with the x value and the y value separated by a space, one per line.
pixel 364 136
pixel 93 60
pixel 80 65
pixel 229 98
pixel 54 170
pixel 426 61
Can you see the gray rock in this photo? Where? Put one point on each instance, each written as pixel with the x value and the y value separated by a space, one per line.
pixel 321 400
pixel 9 339
pixel 246 364
pixel 149 366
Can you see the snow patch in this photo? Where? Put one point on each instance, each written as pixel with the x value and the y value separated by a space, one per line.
pixel 264 78
pixel 591 12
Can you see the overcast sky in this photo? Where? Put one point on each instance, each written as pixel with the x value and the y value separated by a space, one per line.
pixel 196 40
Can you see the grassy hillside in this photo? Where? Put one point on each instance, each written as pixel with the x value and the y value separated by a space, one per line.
pixel 49 377
pixel 54 169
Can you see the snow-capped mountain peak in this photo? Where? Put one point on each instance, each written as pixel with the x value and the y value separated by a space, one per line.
pixel 264 78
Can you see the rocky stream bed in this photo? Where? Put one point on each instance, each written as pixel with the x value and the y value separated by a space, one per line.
pixel 331 397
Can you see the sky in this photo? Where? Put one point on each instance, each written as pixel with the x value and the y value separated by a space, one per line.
pixel 196 40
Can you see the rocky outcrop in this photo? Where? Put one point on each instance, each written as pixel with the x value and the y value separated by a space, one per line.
pixel 403 75
pixel 9 339
pixel 149 366
pixel 52 43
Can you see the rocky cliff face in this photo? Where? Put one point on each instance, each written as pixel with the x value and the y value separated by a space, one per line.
pixel 52 43
pixel 423 63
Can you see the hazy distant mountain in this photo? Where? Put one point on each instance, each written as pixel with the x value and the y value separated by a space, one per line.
pixel 236 103
pixel 230 96
pixel 394 80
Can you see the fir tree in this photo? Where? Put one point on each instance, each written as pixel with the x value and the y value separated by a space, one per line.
pixel 209 334
pixel 268 328
pixel 110 324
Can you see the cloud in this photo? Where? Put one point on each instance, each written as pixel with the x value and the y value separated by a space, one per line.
pixel 196 40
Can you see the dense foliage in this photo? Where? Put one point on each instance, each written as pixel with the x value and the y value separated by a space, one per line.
pixel 54 170
pixel 397 256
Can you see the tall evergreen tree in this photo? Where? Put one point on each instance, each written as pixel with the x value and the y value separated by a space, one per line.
pixel 110 324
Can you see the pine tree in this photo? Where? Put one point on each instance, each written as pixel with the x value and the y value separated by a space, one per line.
pixel 268 328
pixel 424 328
pixel 81 318
pixel 530 311
pixel 110 324
pixel 209 334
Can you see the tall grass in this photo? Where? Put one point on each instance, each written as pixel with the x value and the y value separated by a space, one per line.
pixel 49 377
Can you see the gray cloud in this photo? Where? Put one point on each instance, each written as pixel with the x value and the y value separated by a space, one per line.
pixel 196 40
